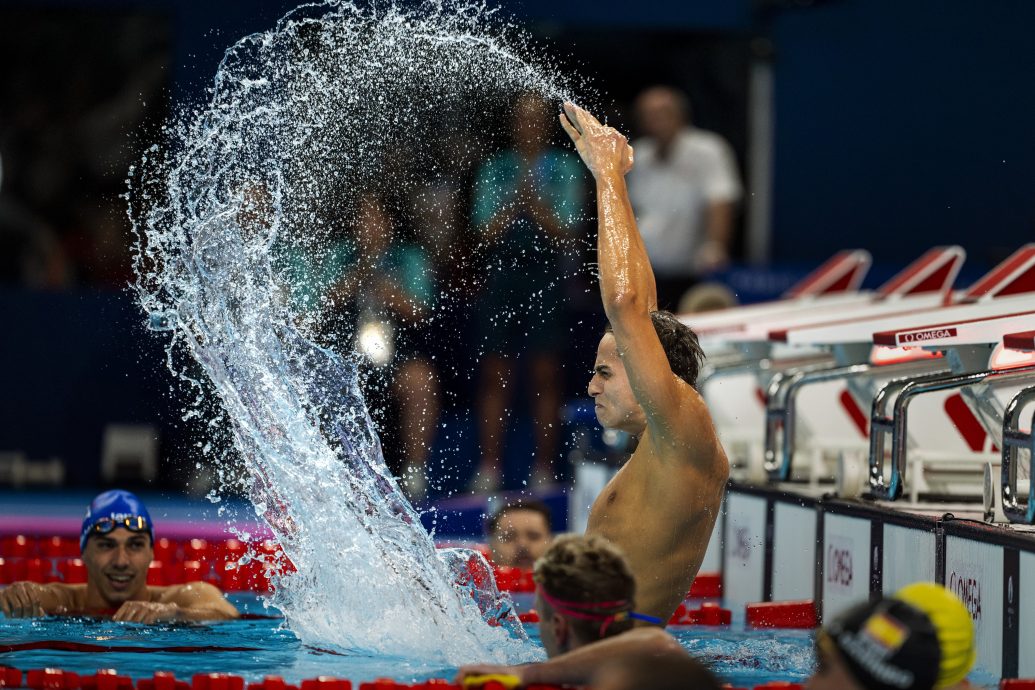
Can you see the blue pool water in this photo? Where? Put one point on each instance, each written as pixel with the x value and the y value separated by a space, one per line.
pixel 741 657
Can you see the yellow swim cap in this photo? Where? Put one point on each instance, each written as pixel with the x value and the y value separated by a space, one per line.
pixel 953 624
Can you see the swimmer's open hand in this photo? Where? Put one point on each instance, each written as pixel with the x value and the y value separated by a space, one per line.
pixel 146 612
pixel 603 149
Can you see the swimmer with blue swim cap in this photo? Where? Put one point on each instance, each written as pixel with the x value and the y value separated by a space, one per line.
pixel 117 544
pixel 115 508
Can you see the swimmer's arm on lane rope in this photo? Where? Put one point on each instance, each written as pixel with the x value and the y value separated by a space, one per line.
pixel 577 667
pixel 32 600
pixel 195 601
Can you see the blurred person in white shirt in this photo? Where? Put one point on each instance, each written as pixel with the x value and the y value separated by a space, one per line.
pixel 684 189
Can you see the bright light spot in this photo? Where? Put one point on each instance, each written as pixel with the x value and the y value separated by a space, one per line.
pixel 375 342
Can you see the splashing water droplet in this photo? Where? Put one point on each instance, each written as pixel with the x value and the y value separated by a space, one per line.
pixel 232 219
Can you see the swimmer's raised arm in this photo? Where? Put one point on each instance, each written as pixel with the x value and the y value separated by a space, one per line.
pixel 676 414
pixel 626 278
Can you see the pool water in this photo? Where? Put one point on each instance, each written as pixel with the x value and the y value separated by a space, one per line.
pixel 258 647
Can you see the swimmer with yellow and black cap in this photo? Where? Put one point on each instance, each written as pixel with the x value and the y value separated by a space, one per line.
pixel 921 638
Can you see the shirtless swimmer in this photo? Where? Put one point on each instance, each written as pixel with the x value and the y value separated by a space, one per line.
pixel 660 508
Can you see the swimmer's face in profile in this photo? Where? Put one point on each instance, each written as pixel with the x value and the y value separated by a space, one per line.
pixel 614 401
pixel 116 565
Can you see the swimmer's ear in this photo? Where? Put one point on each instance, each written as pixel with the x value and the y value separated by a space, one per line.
pixel 561 631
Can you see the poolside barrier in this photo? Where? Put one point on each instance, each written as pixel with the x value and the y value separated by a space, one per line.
pixel 706 614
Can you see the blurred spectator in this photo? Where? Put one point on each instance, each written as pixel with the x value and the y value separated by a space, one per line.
pixel 82 95
pixel 393 284
pixel 585 596
pixel 920 638
pixel 375 288
pixel 519 534
pixel 672 671
pixel 30 253
pixel 684 189
pixel 526 202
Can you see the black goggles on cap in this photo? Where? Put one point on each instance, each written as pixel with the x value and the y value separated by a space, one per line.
pixel 134 523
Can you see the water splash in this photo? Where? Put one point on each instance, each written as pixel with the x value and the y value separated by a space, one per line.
pixel 300 119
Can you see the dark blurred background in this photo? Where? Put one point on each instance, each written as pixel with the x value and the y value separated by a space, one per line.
pixel 877 124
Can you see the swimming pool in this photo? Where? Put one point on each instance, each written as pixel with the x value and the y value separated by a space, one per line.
pixel 259 646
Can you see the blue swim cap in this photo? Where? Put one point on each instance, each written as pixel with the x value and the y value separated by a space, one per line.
pixel 119 508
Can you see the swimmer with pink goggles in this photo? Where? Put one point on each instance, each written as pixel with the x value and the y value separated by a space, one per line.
pixel 620 610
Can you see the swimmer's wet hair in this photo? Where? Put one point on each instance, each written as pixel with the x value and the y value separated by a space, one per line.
pixel 679 341
pixel 586 569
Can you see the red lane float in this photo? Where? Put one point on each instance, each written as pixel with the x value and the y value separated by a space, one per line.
pixel 162 680
pixel 271 683
pixel 216 681
pixel 326 683
pixel 707 614
pixel 781 614
pixel 10 677
pixel 106 679
pixel 706 586
pixel 52 679
pixel 17 546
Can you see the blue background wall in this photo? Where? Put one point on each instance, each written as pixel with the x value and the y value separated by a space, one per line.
pixel 899 125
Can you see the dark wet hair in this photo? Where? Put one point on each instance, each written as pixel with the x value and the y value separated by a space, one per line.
pixel 679 341
pixel 531 504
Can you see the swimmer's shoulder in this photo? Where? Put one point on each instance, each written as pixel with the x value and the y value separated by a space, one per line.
pixel 185 593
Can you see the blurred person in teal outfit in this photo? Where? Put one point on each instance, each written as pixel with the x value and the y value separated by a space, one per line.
pixel 371 290
pixel 527 201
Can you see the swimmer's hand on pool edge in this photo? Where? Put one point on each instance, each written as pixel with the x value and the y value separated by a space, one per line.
pixel 24 600
pixel 603 149
pixel 194 601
